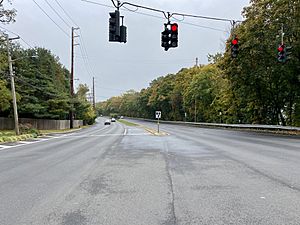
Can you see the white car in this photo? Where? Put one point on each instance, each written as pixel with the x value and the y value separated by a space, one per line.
pixel 113 120
pixel 107 122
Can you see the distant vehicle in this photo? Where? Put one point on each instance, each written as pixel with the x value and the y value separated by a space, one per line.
pixel 113 120
pixel 107 122
pixel 121 117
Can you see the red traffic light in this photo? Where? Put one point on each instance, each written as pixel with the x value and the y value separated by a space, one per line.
pixel 174 27
pixel 235 41
pixel 280 48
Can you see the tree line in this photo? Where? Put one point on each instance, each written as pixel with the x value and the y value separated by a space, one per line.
pixel 253 88
pixel 42 86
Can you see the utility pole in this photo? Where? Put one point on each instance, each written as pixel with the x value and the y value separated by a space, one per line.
pixel 72 75
pixel 12 79
pixel 94 99
pixel 197 61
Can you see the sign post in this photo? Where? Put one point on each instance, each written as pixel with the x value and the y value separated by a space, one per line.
pixel 157 116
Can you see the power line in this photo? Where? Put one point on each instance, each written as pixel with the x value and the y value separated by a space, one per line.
pixel 85 61
pixel 154 16
pixel 54 10
pixel 86 53
pixel 67 14
pixel 179 14
pixel 16 35
pixel 83 46
pixel 51 19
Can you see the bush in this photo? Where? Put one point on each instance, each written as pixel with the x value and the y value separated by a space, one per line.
pixel 27 128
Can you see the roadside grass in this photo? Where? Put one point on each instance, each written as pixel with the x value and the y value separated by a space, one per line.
pixel 128 123
pixel 9 136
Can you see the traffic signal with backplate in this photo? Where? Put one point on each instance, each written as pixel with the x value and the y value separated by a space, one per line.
pixel 114 26
pixel 165 38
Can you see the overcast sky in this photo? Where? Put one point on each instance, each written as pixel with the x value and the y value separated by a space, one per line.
pixel 120 67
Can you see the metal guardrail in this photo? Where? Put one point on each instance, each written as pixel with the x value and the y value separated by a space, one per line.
pixel 232 126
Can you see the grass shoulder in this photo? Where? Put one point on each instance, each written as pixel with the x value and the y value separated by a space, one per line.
pixel 128 123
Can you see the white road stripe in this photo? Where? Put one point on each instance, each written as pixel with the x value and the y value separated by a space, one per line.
pixel 69 135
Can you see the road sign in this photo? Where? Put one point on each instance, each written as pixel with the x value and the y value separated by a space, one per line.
pixel 157 114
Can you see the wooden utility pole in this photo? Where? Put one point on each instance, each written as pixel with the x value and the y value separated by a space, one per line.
pixel 94 98
pixel 72 76
pixel 13 90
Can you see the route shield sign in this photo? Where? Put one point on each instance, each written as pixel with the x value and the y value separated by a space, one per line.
pixel 157 114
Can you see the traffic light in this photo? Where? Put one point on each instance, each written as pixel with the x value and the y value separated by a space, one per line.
pixel 169 37
pixel 174 35
pixel 114 26
pixel 281 53
pixel 117 31
pixel 234 47
pixel 123 34
pixel 165 38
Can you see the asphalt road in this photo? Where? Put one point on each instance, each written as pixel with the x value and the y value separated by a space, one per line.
pixel 121 175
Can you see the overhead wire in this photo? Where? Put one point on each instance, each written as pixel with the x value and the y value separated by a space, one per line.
pixel 16 35
pixel 82 46
pixel 51 19
pixel 97 3
pixel 180 14
pixel 114 3
pixel 66 13
pixel 86 52
pixel 155 16
pixel 54 10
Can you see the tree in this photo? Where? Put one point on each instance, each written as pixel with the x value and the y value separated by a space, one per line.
pixel 264 90
pixel 6 15
pixel 83 109
pixel 5 97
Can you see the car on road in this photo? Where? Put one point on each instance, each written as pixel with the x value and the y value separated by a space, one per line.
pixel 107 122
pixel 113 120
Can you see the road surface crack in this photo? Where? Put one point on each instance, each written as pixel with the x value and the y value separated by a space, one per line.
pixel 172 220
